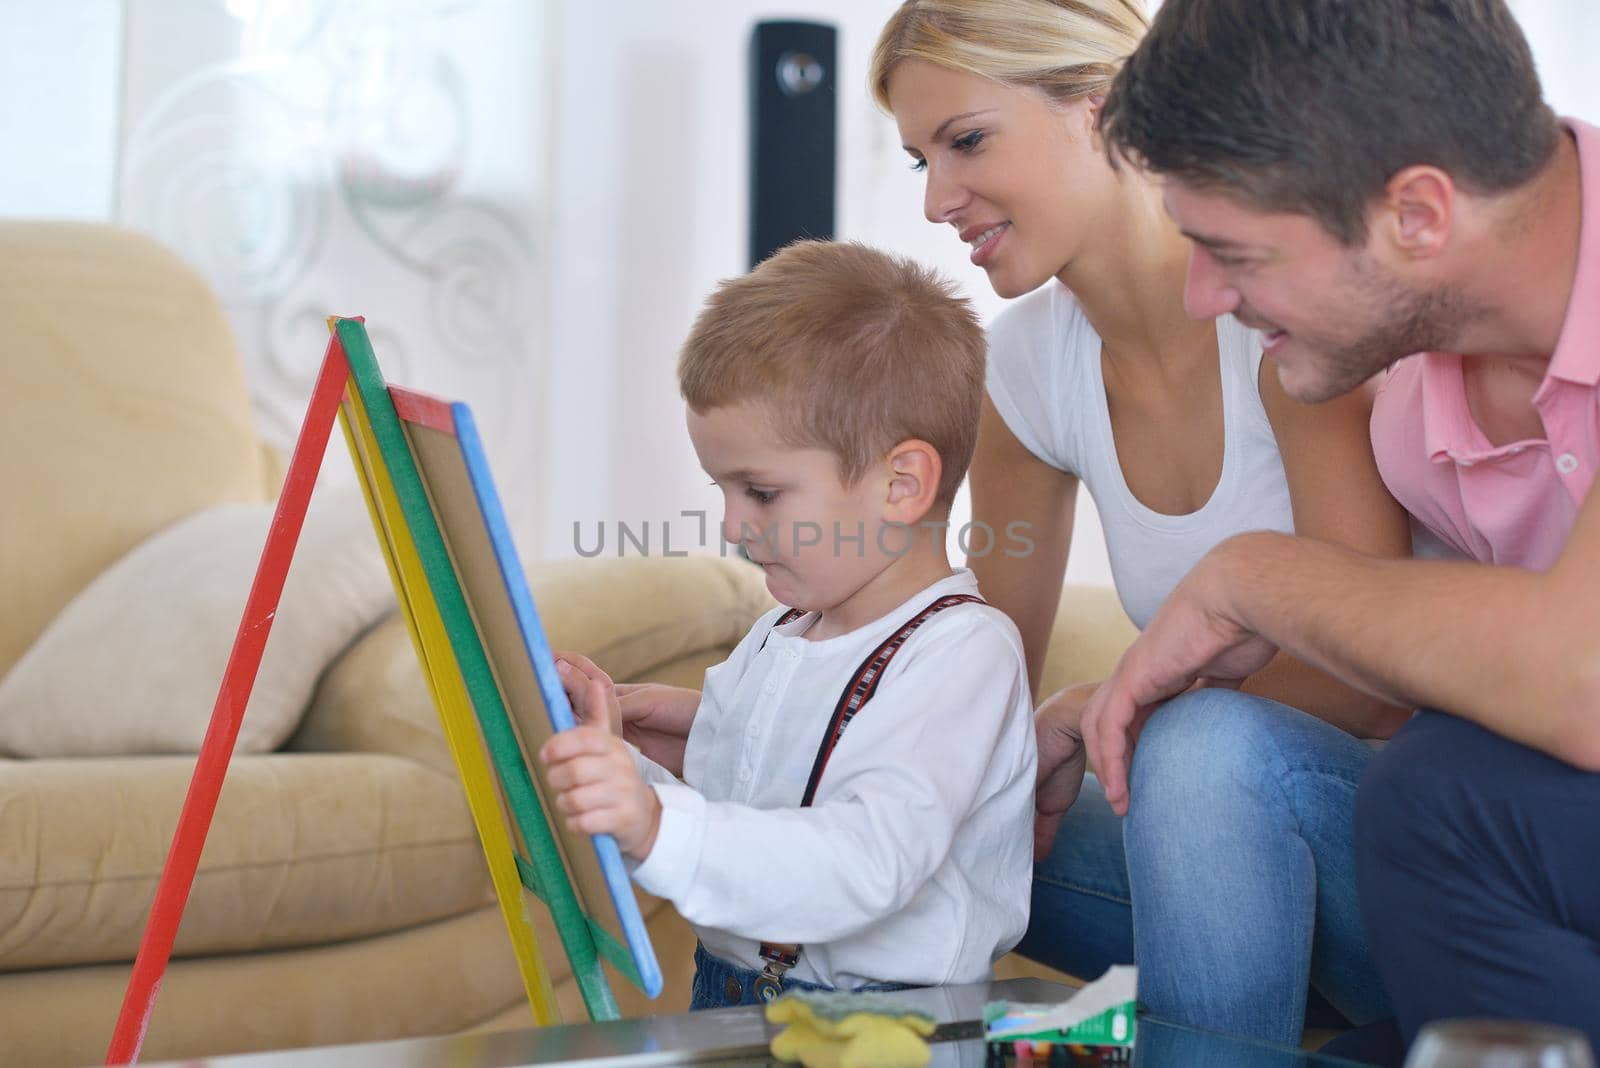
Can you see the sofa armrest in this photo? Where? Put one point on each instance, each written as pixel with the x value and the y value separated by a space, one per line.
pixel 631 616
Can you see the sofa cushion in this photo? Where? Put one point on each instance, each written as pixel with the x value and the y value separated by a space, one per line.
pixel 636 618
pixel 304 849
pixel 133 663
pixel 634 614
pixel 424 980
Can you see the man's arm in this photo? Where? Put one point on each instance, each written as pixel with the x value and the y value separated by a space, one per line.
pixel 1515 651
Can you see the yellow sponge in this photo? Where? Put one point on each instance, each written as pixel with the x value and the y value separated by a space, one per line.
pixel 834 1029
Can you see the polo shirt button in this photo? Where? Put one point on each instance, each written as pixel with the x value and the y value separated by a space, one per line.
pixel 1566 463
pixel 744 774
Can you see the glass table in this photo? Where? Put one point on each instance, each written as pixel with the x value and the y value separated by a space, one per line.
pixel 739 1036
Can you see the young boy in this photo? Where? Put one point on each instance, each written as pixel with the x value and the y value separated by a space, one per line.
pixel 833 397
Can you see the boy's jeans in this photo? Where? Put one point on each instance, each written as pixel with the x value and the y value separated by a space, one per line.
pixel 1231 882
pixel 718 983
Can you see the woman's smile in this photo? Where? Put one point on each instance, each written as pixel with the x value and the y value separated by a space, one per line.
pixel 984 241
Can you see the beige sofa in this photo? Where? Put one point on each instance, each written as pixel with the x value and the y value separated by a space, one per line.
pixel 342 895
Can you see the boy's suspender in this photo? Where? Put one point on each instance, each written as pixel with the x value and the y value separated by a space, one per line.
pixel 862 685
pixel 788 617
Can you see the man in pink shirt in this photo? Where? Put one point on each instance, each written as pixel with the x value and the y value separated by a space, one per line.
pixel 1365 180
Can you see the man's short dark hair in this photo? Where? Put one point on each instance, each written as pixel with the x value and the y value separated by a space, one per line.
pixel 1311 106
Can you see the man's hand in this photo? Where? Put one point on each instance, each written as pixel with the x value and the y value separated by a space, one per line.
pixel 1192 639
pixel 599 791
pixel 657 719
pixel 1061 762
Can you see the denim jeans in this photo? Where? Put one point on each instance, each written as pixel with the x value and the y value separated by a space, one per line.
pixel 719 983
pixel 1230 883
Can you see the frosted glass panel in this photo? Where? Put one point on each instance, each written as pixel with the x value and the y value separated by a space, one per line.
pixel 386 159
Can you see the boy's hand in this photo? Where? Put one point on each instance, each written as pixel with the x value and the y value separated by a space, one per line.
pixel 591 691
pixel 599 791
pixel 657 718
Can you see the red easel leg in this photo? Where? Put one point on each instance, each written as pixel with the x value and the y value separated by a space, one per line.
pixel 238 678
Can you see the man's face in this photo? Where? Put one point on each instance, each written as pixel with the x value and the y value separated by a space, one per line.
pixel 1332 315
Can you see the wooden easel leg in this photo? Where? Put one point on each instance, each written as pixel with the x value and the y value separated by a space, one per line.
pixel 238 678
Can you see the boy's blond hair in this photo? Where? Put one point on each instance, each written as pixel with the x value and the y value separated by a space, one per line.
pixel 850 349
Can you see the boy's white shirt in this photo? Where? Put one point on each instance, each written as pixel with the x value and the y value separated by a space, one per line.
pixel 914 862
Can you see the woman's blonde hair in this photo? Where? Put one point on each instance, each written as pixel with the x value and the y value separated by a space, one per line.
pixel 1067 48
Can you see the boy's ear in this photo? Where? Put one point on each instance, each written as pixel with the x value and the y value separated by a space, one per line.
pixel 914 473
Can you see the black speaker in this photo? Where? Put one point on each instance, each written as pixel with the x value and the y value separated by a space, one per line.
pixel 792 133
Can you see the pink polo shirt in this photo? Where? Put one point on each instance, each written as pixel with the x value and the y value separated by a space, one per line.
pixel 1514 504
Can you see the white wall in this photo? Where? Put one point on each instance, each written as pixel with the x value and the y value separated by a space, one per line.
pixel 649 208
pixel 650 203
pixel 60 72
pixel 646 211
pixel 1565 38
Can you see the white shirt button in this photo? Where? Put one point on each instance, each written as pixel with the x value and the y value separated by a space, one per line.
pixel 1566 463
pixel 744 774
pixel 753 730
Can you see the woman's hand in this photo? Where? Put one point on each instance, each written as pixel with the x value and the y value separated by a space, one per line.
pixel 1061 761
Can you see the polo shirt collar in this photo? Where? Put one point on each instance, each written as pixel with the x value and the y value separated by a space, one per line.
pixel 1448 432
pixel 1577 354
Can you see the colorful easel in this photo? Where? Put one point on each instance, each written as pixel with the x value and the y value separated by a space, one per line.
pixel 483 653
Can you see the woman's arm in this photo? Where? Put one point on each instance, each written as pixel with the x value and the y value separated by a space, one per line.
pixel 1027 505
pixel 1336 495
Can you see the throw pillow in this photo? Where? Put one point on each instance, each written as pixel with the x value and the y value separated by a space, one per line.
pixel 133 663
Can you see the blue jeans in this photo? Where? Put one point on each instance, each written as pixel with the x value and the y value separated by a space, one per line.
pixel 1476 860
pixel 719 983
pixel 1231 882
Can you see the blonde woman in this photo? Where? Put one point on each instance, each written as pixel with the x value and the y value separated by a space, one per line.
pixel 1230 881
